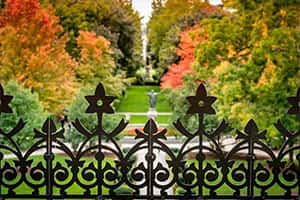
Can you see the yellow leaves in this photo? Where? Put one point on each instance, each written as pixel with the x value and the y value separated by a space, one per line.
pixel 282 12
pixel 9 38
pixel 265 29
pixel 46 72
pixel 268 75
pixel 283 15
pixel 221 68
pixel 241 55
pixel 244 52
pixel 231 51
pixel 261 27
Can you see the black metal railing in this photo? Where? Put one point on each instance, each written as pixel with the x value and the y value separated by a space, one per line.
pixel 77 175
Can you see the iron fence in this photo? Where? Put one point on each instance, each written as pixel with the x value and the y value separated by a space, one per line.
pixel 224 177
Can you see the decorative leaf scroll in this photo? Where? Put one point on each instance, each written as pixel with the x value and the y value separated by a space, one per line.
pixel 252 132
pixel 49 128
pixel 151 129
pixel 188 169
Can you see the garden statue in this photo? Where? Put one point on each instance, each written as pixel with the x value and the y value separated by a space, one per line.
pixel 152 99
pixel 152 114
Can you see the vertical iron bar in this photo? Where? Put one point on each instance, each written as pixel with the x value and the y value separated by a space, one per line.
pixel 100 158
pixel 291 154
pixel 49 157
pixel 251 158
pixel 150 163
pixel 99 162
pixel 200 156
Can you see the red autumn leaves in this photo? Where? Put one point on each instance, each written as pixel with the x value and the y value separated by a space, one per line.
pixel 189 39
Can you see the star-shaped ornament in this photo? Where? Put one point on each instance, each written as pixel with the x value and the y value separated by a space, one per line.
pixel 201 103
pixel 99 102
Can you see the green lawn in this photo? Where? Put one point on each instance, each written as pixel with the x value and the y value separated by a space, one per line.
pixel 136 100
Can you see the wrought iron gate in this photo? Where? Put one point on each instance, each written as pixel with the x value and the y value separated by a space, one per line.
pixel 100 178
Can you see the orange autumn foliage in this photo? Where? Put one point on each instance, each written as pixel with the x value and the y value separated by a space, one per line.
pixel 96 63
pixel 33 52
pixel 189 39
pixel 92 46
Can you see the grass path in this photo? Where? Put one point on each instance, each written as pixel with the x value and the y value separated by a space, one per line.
pixel 136 100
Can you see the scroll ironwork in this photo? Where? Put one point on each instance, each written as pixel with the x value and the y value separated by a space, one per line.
pixel 100 176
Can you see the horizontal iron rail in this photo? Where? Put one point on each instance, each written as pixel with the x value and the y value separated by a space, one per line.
pixel 158 197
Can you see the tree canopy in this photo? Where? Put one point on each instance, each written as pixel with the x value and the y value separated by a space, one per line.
pixel 186 52
pixel 168 21
pixel 54 56
pixel 33 52
pixel 114 19
pixel 250 60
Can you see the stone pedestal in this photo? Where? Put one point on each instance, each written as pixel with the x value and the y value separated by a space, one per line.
pixel 152 114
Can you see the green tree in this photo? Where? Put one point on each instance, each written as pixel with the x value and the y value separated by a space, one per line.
pixel 26 106
pixel 77 111
pixel 115 20
pixel 167 23
pixel 179 104
pixel 97 64
pixel 251 62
